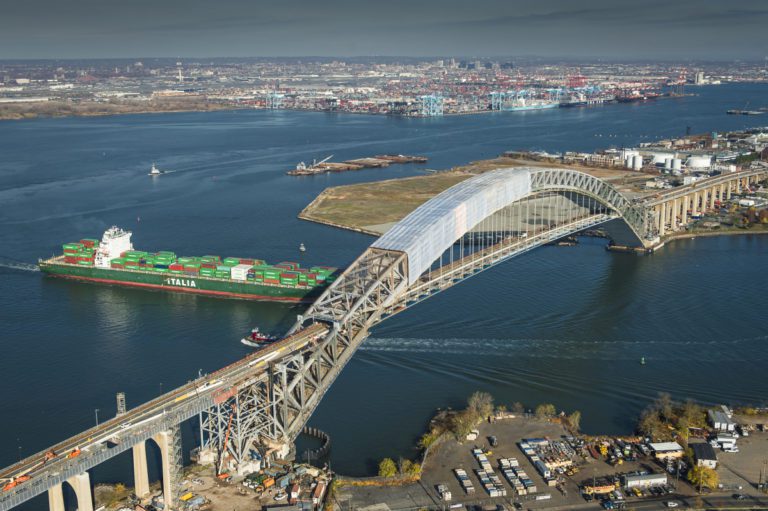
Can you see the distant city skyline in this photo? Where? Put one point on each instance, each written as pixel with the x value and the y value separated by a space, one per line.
pixel 613 29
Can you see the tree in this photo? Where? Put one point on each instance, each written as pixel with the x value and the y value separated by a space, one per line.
pixel 461 424
pixel 545 411
pixel 693 413
pixel 650 423
pixel 517 407
pixel 409 468
pixel 664 406
pixel 703 477
pixel 387 468
pixel 481 404
pixel 574 420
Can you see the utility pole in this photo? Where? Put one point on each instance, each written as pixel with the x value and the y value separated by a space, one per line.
pixel 96 412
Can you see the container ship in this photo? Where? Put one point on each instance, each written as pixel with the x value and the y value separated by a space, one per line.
pixel 521 105
pixel 114 261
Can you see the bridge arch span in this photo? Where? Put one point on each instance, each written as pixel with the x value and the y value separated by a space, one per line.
pixel 436 225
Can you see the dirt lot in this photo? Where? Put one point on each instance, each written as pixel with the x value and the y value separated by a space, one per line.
pixel 374 207
pixel 743 468
pixel 736 470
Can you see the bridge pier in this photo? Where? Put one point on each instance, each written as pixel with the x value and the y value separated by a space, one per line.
pixel 140 470
pixel 56 498
pixel 169 442
pixel 81 484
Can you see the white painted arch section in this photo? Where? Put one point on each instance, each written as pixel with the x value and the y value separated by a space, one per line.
pixel 433 227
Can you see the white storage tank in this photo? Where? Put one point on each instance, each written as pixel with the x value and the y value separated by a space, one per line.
pixel 699 162
pixel 661 157
pixel 677 164
pixel 629 153
pixel 637 162
pixel 667 163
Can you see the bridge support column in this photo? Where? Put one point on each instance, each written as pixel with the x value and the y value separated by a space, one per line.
pixel 662 218
pixel 81 483
pixel 170 452
pixel 684 212
pixel 712 194
pixel 140 471
pixel 728 193
pixel 56 498
pixel 675 214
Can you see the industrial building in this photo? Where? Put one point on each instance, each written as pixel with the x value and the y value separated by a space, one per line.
pixel 666 450
pixel 645 480
pixel 720 421
pixel 704 455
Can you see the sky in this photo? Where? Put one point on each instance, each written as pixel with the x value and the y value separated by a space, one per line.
pixel 616 29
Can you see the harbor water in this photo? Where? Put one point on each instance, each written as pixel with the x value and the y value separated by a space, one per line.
pixel 566 325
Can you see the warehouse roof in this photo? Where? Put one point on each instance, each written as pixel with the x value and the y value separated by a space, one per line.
pixel 703 451
pixel 666 447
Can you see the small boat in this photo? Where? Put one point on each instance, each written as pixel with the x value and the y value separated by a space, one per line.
pixel 302 248
pixel 642 361
pixel 154 171
pixel 257 338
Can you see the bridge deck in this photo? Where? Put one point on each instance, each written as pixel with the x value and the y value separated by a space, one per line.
pixel 130 428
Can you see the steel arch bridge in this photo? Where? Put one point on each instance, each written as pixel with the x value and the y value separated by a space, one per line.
pixel 262 402
pixel 466 229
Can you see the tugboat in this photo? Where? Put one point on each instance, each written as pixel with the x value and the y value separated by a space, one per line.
pixel 154 171
pixel 257 338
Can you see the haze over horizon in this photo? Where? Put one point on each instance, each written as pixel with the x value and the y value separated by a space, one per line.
pixel 614 29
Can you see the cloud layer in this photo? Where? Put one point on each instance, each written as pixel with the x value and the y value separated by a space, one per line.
pixel 708 29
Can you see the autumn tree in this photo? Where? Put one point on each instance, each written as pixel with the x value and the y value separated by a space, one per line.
pixel 480 404
pixel 703 477
pixel 574 420
pixel 387 468
pixel 650 423
pixel 545 411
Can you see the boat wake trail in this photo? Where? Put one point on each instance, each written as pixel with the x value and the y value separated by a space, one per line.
pixel 13 264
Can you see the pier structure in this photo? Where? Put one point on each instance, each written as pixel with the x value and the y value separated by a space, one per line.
pixel 253 410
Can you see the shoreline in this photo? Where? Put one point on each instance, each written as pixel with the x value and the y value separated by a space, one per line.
pixel 710 234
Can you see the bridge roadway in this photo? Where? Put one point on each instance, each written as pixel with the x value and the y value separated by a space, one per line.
pixel 86 450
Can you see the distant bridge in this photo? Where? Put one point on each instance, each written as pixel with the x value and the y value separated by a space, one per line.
pixel 261 403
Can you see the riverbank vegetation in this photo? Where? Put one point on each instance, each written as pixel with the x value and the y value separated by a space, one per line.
pixel 459 424
pixel 666 420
